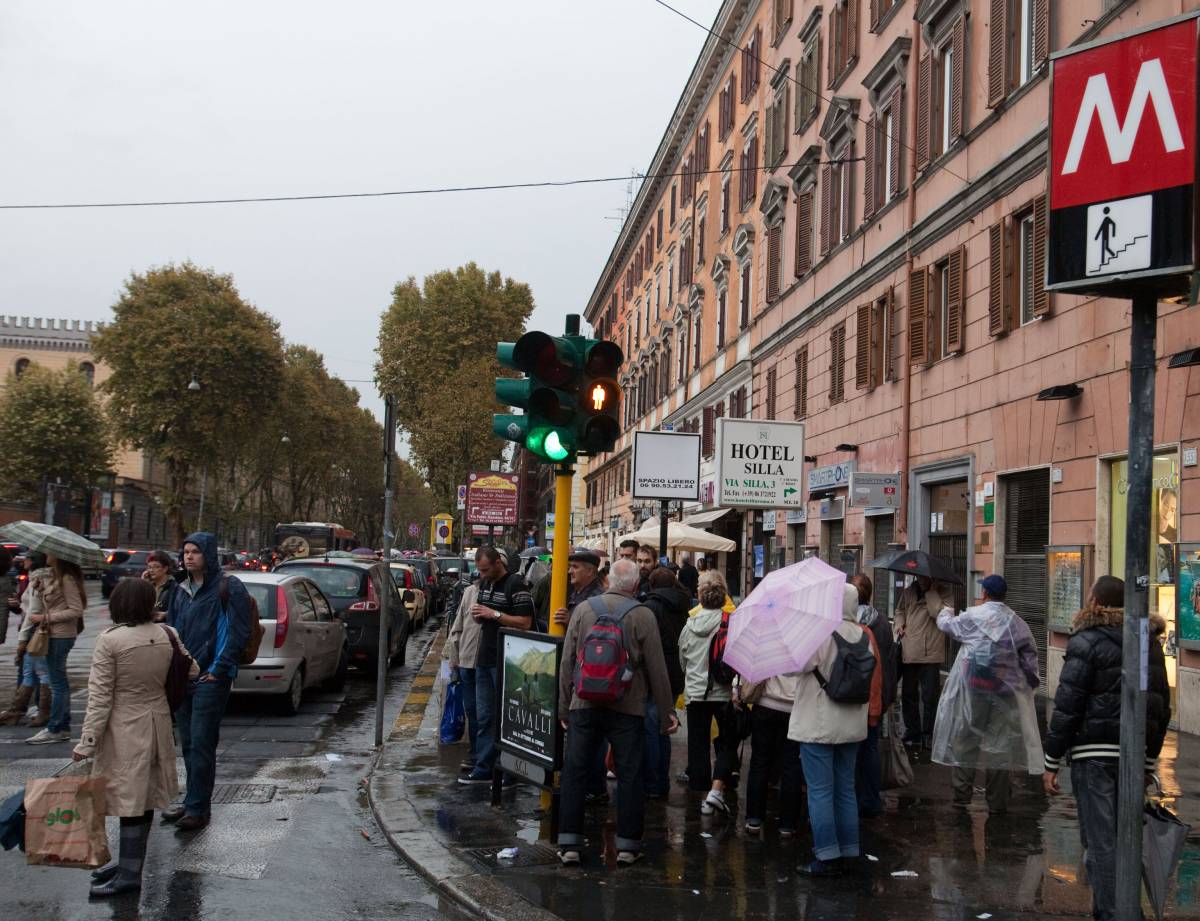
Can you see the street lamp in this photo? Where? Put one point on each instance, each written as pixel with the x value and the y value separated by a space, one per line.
pixel 194 385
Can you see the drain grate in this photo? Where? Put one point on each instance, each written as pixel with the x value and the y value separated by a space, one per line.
pixel 253 793
pixel 528 855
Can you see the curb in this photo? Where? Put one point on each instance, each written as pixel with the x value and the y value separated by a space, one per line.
pixel 481 894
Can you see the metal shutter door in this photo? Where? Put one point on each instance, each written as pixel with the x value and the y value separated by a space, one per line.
pixel 1026 534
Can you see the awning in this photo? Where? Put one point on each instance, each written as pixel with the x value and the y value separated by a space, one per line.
pixel 703 519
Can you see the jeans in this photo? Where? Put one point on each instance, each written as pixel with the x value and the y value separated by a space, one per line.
pixel 199 722
pixel 588 728
pixel 34 671
pixel 701 772
pixel 56 663
pixel 466 677
pixel 485 721
pixel 868 777
pixel 1094 782
pixel 923 678
pixel 769 743
pixel 832 808
pixel 656 755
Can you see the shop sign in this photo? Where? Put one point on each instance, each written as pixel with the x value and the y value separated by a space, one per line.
pixel 760 464
pixel 874 490
pixel 796 515
pixel 834 476
pixel 492 498
pixel 1123 161
pixel 769 521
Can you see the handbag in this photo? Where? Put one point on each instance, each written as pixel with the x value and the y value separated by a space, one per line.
pixel 897 770
pixel 39 643
pixel 178 672
pixel 64 822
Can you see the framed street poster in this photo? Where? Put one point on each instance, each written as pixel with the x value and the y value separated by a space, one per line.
pixel 1068 578
pixel 1187 594
pixel 529 732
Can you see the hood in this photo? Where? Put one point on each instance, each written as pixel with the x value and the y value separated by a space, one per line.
pixel 1112 617
pixel 208 544
pixel 705 622
pixel 672 597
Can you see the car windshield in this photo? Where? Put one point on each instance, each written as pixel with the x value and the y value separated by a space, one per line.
pixel 398 573
pixel 444 563
pixel 335 581
pixel 264 597
pixel 138 558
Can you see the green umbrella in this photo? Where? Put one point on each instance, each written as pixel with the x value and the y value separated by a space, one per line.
pixel 54 541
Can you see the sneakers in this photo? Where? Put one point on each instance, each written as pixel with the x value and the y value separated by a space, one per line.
pixel 787 833
pixel 46 737
pixel 628 858
pixel 820 868
pixel 714 802
pixel 467 766
pixel 569 857
pixel 472 780
pixel 754 827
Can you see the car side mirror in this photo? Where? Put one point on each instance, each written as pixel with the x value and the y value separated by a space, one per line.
pixel 408 596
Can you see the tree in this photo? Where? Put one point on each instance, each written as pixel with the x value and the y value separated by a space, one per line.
pixel 437 353
pixel 52 429
pixel 174 325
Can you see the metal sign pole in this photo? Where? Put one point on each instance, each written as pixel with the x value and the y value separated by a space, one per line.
pixel 389 450
pixel 1131 787
pixel 663 511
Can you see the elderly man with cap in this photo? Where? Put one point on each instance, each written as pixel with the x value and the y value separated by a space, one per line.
pixel 986 716
pixel 583 566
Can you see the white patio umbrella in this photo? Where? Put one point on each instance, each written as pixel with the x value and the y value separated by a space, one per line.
pixel 683 537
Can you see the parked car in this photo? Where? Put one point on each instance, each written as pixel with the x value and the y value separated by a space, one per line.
pixel 354 588
pixel 228 560
pixel 429 572
pixel 304 641
pixel 122 564
pixel 406 577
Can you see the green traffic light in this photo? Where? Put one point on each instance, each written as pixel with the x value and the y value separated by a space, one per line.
pixel 555 449
pixel 548 443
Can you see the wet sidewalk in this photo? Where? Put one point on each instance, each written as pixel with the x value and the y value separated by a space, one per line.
pixel 1026 864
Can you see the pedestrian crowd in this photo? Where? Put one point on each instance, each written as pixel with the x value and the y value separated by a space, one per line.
pixel 644 635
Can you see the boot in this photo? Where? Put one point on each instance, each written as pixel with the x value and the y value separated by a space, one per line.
pixel 131 857
pixel 16 710
pixel 43 716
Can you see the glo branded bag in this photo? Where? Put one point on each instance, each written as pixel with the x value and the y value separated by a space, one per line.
pixel 64 822
pixel 603 669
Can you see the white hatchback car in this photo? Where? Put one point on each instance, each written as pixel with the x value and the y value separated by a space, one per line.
pixel 303 644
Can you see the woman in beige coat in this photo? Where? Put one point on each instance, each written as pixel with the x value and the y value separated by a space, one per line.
pixel 127 728
pixel 64 599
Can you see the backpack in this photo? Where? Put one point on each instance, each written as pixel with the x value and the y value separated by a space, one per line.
pixel 178 672
pixel 980 667
pixel 849 679
pixel 718 671
pixel 603 668
pixel 250 650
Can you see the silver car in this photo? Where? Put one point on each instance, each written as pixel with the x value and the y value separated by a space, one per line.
pixel 303 644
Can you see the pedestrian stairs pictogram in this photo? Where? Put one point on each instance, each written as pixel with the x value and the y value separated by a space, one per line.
pixel 1114 256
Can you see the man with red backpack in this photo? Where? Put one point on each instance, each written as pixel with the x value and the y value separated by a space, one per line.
pixel 612 659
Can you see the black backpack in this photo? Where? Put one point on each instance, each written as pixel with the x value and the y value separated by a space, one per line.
pixel 849 680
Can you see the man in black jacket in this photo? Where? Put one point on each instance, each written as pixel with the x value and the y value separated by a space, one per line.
pixel 669 601
pixel 1087 725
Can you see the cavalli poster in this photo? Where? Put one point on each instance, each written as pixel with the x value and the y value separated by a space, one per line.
pixel 529 696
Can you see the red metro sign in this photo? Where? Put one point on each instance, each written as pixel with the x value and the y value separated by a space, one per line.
pixel 1123 161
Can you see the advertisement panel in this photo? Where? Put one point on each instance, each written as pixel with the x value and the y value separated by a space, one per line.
pixel 874 490
pixel 528 719
pixel 666 465
pixel 760 463
pixel 492 498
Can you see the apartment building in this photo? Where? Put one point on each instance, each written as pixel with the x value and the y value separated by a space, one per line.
pixel 884 286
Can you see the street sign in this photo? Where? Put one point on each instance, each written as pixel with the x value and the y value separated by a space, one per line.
pixel 874 490
pixel 1123 162
pixel 462 497
pixel 492 498
pixel 414 529
pixel 760 464
pixel 666 465
pixel 833 476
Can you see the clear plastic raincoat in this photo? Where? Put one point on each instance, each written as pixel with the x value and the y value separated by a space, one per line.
pixel 986 716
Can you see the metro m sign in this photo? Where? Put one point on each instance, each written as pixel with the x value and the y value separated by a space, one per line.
pixel 1123 162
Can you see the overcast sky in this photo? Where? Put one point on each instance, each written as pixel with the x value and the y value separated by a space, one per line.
pixel 125 100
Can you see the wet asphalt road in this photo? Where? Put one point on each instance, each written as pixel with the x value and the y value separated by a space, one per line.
pixel 295 839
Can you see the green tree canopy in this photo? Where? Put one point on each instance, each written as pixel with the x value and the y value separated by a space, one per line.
pixel 437 353
pixel 172 325
pixel 51 426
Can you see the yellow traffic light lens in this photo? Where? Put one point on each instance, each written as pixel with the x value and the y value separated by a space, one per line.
pixel 555 449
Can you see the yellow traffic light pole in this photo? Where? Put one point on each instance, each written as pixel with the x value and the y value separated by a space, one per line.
pixel 564 479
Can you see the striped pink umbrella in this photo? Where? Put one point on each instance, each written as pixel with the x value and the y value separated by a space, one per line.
pixel 790 613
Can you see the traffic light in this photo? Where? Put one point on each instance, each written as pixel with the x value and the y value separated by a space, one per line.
pixel 569 393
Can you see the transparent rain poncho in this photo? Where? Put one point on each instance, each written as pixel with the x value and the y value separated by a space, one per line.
pixel 986 716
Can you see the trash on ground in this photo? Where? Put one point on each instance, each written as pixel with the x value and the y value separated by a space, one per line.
pixel 332 756
pixel 695 892
pixel 507 853
pixel 906 874
pixel 366 834
pixel 872 858
pixel 983 916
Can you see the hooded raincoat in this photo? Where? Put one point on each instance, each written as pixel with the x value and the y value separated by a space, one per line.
pixel 986 716
pixel 213 633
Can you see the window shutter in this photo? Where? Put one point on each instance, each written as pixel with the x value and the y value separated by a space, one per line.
pixel 924 78
pixel 863 379
pixel 706 432
pixel 918 307
pixel 897 108
pixel 1041 297
pixel 957 77
pixel 804 230
pixel 875 13
pixel 801 409
pixel 869 178
pixel 1041 33
pixel 889 348
pixel 997 307
pixel 719 410
pixel 771 393
pixel 997 52
pixel 700 239
pixel 834 43
pixel 847 220
pixel 955 303
pixel 774 258
pixel 826 199
pixel 851 30
pixel 837 363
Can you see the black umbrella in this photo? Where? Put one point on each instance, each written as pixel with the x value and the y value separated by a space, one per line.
pixel 917 563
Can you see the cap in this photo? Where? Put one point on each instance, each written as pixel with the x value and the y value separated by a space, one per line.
pixel 584 555
pixel 995 586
